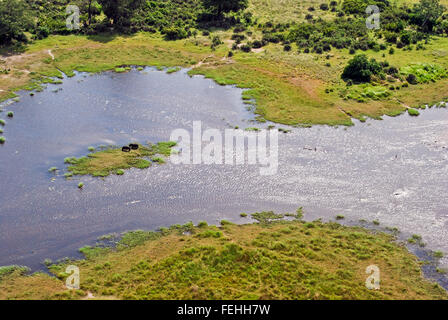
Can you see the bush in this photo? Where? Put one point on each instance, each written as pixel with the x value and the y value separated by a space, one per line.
pixel 256 44
pixel 360 69
pixel 287 47
pixel 246 48
pixel 2 140
pixel 323 6
pixel 174 33
pixel 412 79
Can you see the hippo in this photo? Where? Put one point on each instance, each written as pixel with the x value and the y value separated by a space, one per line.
pixel 133 146
pixel 126 149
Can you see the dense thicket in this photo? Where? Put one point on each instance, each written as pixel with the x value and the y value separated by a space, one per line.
pixel 177 19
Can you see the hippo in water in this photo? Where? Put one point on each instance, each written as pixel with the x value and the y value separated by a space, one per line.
pixel 126 149
pixel 133 146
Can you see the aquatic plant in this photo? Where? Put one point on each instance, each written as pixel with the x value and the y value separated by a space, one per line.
pixel 80 185
pixel 10 114
pixel 120 172
pixel 413 112
pixel 173 70
pixel 120 70
pixel 2 122
pixel 91 149
pixel 2 140
pixel 53 169
pixel 158 160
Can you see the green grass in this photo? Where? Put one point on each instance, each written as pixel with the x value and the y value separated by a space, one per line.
pixel 173 70
pixel 8 270
pixel 280 260
pixel 425 72
pixel 114 161
pixel 413 112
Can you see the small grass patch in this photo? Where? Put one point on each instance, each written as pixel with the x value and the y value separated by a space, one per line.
pixel 413 112
pixel 111 160
pixel 173 70
pixel 2 140
pixel 120 70
pixel 8 270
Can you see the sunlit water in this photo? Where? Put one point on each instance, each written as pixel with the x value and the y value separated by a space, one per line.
pixel 393 171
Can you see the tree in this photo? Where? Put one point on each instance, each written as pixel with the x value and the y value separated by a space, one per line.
pixel 120 12
pixel 426 14
pixel 219 7
pixel 15 19
pixel 360 69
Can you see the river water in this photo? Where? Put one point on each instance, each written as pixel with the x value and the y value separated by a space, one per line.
pixel 394 171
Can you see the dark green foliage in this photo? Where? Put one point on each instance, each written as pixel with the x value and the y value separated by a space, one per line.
pixel 360 69
pixel 219 7
pixel 426 13
pixel 15 19
pixel 412 79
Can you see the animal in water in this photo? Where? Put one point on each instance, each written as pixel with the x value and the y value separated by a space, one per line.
pixel 133 146
pixel 126 149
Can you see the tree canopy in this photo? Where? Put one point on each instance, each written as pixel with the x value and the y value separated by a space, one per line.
pixel 15 19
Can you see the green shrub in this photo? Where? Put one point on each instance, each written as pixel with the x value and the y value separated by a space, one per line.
pixel 202 224
pixel 2 140
pixel 413 112
pixel 360 69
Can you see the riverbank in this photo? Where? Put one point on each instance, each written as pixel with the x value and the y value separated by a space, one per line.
pixel 271 259
pixel 288 87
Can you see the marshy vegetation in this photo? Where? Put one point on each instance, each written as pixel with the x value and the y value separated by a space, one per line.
pixel 292 65
pixel 113 160
pixel 272 259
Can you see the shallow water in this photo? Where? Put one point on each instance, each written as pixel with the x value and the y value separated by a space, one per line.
pixel 393 171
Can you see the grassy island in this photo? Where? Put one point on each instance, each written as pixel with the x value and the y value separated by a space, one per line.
pixel 271 259
pixel 113 160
